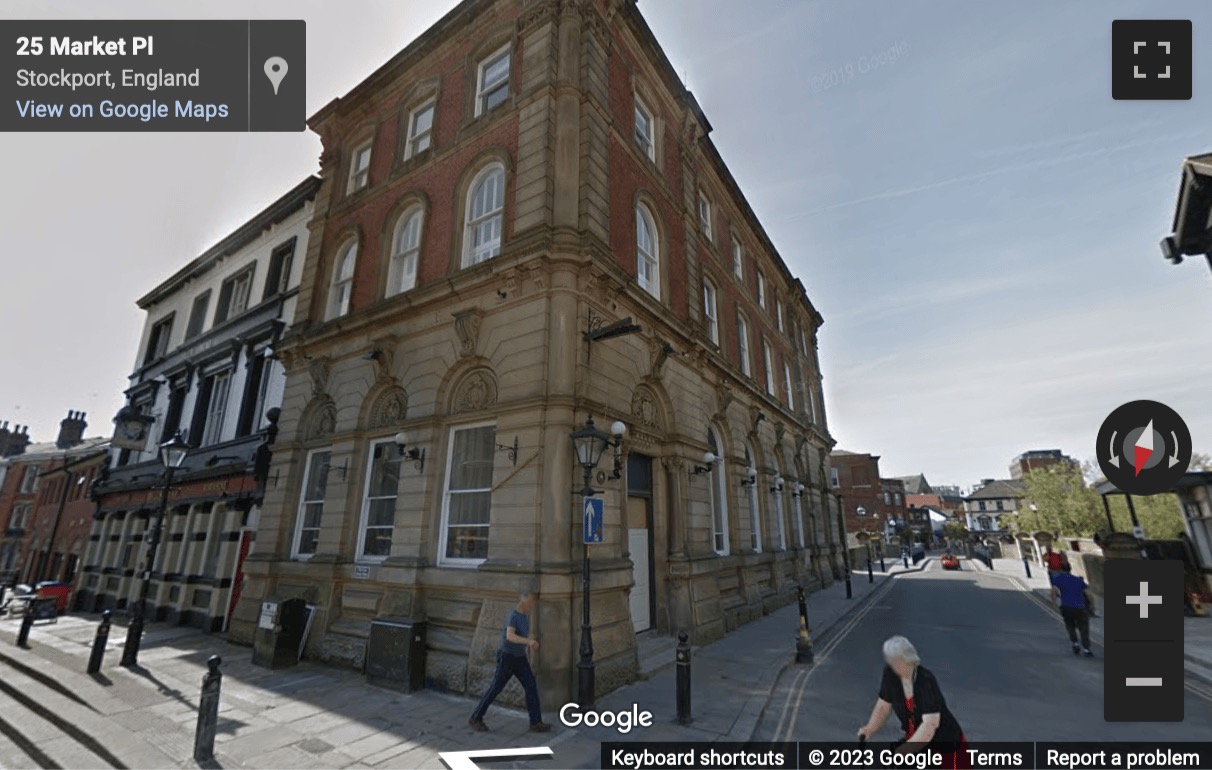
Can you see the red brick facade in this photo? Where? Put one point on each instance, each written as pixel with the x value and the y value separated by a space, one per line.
pixel 858 484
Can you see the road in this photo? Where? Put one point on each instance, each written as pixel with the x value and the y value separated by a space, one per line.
pixel 1003 662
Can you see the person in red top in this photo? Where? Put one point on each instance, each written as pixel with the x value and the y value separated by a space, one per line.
pixel 1054 561
pixel 910 690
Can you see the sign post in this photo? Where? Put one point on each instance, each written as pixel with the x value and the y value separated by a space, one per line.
pixel 593 520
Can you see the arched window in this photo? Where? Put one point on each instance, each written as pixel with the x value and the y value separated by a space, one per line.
pixel 719 498
pixel 405 251
pixel 776 490
pixel 755 516
pixel 485 209
pixel 342 280
pixel 647 250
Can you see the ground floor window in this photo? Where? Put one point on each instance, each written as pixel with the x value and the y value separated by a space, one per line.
pixel 468 496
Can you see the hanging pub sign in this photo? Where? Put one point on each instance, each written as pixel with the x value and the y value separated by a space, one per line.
pixel 131 428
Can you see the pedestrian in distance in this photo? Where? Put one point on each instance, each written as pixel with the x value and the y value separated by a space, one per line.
pixel 1053 561
pixel 513 659
pixel 1075 608
pixel 911 691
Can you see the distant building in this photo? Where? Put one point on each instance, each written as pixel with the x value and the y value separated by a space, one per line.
pixel 988 505
pixel 1037 459
pixel 45 510
pixel 916 485
pixel 895 513
pixel 855 478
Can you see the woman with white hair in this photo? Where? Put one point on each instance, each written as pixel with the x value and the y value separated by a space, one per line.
pixel 910 690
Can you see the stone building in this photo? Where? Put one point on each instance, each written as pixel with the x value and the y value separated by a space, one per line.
pixel 513 188
pixel 206 367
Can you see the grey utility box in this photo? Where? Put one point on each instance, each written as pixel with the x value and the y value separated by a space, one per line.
pixel 280 630
pixel 395 654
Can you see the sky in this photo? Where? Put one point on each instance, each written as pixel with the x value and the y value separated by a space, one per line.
pixel 975 217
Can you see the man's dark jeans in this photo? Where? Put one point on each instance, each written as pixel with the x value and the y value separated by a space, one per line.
pixel 510 666
pixel 1077 619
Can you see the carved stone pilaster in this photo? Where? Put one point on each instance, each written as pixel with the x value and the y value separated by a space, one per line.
pixel 467 328
pixel 779 430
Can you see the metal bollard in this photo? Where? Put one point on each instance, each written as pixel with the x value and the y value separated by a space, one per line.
pixel 1027 566
pixel 683 695
pixel 803 642
pixel 208 711
pixel 870 574
pixel 27 622
pixel 99 642
pixel 905 556
pixel 849 589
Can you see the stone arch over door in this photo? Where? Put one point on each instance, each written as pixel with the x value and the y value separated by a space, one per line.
pixel 319 419
pixel 650 411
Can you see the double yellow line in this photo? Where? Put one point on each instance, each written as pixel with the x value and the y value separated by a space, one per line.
pixel 795 693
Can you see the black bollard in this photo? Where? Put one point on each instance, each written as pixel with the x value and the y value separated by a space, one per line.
pixel 803 642
pixel 27 622
pixel 1027 566
pixel 870 574
pixel 683 695
pixel 208 711
pixel 883 567
pixel 905 556
pixel 99 642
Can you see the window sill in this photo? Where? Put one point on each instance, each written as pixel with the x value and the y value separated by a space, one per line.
pixel 461 563
pixel 413 162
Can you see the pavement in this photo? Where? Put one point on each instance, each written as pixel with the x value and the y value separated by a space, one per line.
pixel 1002 660
pixel 312 716
pixel 1197 631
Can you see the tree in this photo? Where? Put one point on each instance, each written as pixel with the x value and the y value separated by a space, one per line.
pixel 1159 515
pixel 954 530
pixel 1059 501
pixel 1201 462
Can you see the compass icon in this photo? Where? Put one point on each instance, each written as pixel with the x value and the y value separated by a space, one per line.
pixel 1144 448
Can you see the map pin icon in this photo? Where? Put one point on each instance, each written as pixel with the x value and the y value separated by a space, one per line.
pixel 275 70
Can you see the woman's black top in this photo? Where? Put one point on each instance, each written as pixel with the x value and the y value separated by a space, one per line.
pixel 927 699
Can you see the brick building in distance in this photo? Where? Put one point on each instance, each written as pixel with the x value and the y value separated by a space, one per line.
pixel 1036 459
pixel 46 513
pixel 855 479
pixel 523 224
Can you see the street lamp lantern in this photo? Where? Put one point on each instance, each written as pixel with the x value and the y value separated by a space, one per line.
pixel 172 453
pixel 589 444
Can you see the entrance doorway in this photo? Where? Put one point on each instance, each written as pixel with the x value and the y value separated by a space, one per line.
pixel 639 539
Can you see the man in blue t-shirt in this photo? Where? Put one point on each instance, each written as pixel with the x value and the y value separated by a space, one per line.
pixel 1074 607
pixel 513 660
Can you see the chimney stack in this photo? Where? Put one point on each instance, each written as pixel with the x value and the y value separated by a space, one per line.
pixel 71 430
pixel 12 441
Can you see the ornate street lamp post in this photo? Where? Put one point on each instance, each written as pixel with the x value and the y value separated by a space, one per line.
pixel 172 453
pixel 590 443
